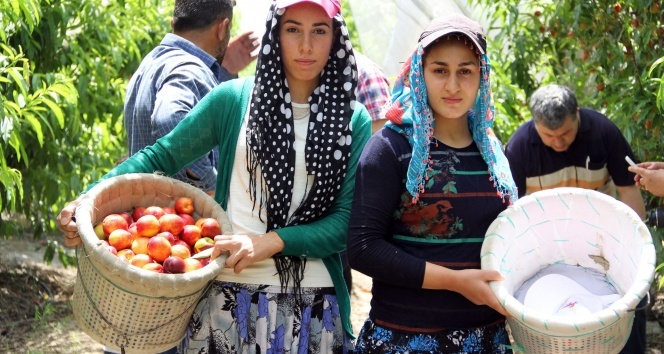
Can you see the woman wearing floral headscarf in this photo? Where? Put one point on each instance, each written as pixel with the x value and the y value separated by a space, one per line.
pixel 289 143
pixel 428 185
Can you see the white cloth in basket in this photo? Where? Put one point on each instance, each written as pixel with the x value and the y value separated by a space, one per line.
pixel 566 290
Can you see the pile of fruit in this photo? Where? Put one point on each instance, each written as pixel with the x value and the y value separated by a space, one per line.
pixel 159 239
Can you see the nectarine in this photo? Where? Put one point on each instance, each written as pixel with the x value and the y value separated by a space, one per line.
pixel 210 228
pixel 155 210
pixel 203 243
pixel 154 267
pixel 120 239
pixel 127 216
pixel 132 230
pixel 181 242
pixel 172 223
pixel 147 225
pixel 126 253
pixel 192 264
pixel 113 222
pixel 188 219
pixel 99 231
pixel 184 205
pixel 140 245
pixel 180 251
pixel 137 213
pixel 174 265
pixel 159 248
pixel 190 234
pixel 140 260
pixel 169 236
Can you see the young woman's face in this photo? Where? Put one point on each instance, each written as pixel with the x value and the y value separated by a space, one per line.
pixel 452 77
pixel 306 34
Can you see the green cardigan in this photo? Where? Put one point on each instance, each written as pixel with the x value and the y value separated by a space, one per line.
pixel 216 120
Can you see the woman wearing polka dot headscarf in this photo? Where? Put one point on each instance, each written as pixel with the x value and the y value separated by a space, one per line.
pixel 289 142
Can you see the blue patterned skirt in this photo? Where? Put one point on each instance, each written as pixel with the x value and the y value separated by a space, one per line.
pixel 248 318
pixel 484 340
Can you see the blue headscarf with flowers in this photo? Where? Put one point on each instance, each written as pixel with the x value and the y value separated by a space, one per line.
pixel 410 115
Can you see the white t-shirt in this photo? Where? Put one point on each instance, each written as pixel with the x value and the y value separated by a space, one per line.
pixel 245 221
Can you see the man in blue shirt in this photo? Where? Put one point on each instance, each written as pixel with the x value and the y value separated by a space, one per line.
pixel 179 72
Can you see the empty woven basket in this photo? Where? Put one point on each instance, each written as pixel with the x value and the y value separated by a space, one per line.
pixel 123 306
pixel 577 227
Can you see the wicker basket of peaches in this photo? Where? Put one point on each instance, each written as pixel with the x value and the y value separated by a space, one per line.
pixel 139 275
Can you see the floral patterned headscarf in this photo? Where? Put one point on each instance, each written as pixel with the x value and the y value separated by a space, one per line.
pixel 409 114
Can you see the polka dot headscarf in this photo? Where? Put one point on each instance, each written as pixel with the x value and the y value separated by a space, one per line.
pixel 270 133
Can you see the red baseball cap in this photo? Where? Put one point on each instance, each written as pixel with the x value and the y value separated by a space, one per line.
pixel 331 7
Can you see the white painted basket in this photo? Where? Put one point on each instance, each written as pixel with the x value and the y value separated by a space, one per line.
pixel 578 227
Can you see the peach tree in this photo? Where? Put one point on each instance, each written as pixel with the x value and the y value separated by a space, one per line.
pixel 610 53
pixel 64 65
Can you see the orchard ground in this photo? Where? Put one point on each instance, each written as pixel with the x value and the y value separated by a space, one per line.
pixel 36 315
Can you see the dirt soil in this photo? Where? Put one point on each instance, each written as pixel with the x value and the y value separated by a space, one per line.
pixel 36 315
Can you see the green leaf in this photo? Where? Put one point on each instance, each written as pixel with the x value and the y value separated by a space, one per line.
pixel 34 9
pixel 654 65
pixel 11 179
pixel 36 127
pixel 19 80
pixel 65 258
pixel 15 143
pixel 39 111
pixel 8 50
pixel 56 110
pixel 28 18
pixel 67 92
pixel 12 106
pixel 660 96
pixel 16 6
pixel 49 253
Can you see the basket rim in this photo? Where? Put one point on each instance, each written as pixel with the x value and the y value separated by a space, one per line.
pixel 562 325
pixel 97 249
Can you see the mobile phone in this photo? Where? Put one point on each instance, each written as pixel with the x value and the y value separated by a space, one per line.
pixel 629 161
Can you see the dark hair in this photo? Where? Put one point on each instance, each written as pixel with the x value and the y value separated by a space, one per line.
pixel 200 14
pixel 550 105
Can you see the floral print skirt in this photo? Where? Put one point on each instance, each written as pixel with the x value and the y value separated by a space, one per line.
pixel 249 318
pixel 484 340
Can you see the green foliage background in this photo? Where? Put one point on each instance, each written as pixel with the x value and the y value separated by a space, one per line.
pixel 610 53
pixel 64 66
